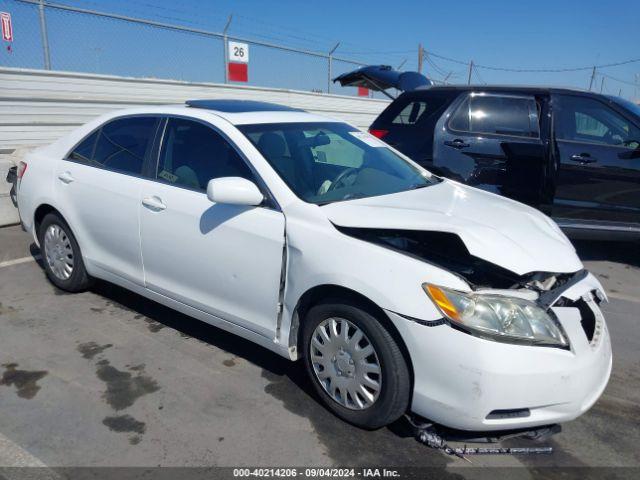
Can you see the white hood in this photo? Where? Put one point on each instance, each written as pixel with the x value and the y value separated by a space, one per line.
pixel 501 231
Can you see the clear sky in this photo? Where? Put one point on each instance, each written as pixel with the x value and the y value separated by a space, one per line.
pixel 513 34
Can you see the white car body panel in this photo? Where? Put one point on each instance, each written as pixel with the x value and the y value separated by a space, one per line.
pixel 223 259
pixel 230 275
pixel 104 207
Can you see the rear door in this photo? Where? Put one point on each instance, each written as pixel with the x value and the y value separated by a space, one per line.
pixel 98 185
pixel 492 141
pixel 596 146
pixel 408 123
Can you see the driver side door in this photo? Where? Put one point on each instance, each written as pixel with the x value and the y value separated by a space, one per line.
pixel 598 178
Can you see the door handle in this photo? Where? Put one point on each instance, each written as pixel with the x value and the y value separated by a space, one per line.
pixel 457 143
pixel 153 203
pixel 583 158
pixel 65 177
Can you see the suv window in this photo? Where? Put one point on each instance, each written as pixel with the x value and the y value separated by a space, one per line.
pixel 497 115
pixel 588 120
pixel 411 112
pixel 119 145
pixel 193 153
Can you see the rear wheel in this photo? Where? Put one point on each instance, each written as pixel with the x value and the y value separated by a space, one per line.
pixel 355 364
pixel 61 255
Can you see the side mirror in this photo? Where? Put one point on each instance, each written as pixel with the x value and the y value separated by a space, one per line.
pixel 234 191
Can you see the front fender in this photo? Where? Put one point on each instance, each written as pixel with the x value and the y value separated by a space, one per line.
pixel 319 255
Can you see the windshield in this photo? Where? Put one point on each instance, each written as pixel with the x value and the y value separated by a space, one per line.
pixel 329 162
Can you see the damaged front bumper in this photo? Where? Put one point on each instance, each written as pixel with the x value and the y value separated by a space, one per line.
pixel 470 383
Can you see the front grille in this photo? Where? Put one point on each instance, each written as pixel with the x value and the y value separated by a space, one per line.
pixel 591 323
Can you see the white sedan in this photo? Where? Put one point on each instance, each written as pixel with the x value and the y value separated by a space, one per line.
pixel 401 291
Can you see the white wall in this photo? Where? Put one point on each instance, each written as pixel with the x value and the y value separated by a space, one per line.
pixel 38 106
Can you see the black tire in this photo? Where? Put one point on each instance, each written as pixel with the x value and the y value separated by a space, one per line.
pixel 79 280
pixel 395 387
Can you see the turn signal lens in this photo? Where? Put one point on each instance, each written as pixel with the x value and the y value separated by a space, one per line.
pixel 441 300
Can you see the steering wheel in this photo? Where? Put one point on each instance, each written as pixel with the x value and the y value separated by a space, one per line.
pixel 341 177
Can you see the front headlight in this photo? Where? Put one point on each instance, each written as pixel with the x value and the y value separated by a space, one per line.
pixel 497 317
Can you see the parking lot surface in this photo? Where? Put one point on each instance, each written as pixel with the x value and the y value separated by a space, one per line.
pixel 108 378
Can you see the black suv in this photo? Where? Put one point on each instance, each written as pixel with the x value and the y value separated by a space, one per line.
pixel 575 155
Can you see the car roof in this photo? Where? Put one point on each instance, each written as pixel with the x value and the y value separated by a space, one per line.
pixel 240 106
pixel 236 112
pixel 530 89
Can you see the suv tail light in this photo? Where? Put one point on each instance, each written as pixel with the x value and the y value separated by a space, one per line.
pixel 22 167
pixel 378 132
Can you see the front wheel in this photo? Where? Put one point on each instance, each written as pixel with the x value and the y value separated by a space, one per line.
pixel 355 364
pixel 61 255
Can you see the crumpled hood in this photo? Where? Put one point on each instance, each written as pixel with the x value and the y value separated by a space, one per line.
pixel 501 231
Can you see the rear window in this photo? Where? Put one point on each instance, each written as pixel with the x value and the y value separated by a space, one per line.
pixel 412 111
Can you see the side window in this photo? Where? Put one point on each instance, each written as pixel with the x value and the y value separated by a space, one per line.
pixel 193 153
pixel 84 151
pixel 587 120
pixel 460 119
pixel 121 144
pixel 497 115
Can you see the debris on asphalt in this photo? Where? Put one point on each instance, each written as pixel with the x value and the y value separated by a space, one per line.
pixel 428 434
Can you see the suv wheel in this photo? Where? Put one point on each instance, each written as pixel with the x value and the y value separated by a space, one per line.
pixel 355 364
pixel 61 255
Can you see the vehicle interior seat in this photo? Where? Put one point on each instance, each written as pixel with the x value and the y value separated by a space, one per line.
pixel 273 147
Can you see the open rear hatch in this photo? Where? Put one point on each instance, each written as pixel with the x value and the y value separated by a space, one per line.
pixel 381 78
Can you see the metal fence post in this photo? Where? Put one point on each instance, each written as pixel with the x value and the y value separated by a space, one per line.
pixel 45 37
pixel 225 50
pixel 329 71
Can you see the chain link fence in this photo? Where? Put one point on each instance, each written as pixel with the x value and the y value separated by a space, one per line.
pixel 59 37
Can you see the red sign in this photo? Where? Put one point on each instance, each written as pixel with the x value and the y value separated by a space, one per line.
pixel 363 92
pixel 7 29
pixel 238 72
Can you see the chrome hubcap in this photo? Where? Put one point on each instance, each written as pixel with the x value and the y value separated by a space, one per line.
pixel 346 364
pixel 58 252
